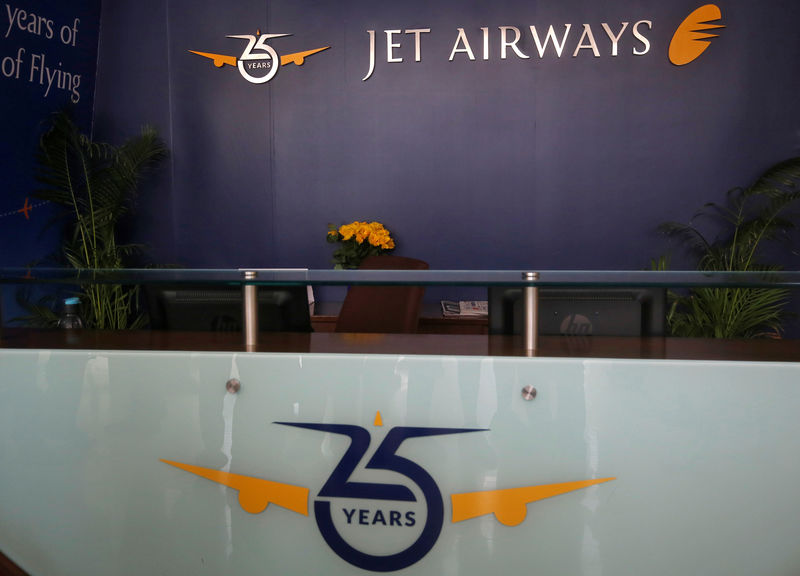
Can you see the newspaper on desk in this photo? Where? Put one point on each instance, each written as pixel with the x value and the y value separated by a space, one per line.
pixel 465 308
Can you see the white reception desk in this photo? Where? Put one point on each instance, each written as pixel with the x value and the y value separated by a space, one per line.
pixel 179 453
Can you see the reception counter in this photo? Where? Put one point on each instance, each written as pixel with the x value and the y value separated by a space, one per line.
pixel 424 454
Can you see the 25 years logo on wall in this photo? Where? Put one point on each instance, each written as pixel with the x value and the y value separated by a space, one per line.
pixel 415 504
pixel 259 62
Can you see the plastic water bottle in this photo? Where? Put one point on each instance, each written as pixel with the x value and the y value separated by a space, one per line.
pixel 69 315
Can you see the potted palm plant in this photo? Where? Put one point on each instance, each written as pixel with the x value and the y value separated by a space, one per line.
pixel 750 219
pixel 95 185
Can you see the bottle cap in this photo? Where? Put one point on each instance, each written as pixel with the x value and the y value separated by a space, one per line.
pixel 71 301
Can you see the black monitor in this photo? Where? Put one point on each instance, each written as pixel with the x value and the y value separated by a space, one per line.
pixel 219 308
pixel 582 311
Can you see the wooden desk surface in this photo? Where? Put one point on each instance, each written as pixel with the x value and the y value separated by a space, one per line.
pixel 427 324
pixel 424 344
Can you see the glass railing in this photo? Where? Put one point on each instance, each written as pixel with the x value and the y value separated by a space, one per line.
pixel 294 277
pixel 517 312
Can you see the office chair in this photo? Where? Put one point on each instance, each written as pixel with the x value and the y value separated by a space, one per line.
pixel 385 309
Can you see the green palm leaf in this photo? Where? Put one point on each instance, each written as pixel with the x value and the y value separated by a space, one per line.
pixel 96 184
pixel 750 218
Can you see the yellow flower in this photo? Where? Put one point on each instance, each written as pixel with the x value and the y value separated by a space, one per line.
pixel 362 232
pixel 347 231
pixel 359 240
pixel 379 237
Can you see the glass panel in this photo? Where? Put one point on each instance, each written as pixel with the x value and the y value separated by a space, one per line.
pixel 284 277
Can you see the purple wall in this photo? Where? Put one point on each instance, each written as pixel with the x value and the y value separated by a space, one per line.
pixel 48 57
pixel 48 60
pixel 550 162
pixel 565 162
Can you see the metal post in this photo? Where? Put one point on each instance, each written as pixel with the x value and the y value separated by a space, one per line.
pixel 250 311
pixel 530 323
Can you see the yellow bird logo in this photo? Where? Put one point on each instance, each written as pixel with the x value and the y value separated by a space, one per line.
pixel 689 40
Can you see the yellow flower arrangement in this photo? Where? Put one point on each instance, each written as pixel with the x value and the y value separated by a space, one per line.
pixel 358 240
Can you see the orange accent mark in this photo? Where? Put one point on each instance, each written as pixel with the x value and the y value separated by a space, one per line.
pixel 688 42
pixel 299 58
pixel 510 505
pixel 378 419
pixel 255 494
pixel 219 59
pixel 26 208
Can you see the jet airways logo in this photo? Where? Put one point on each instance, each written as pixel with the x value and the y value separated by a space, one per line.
pixel 389 506
pixel 543 40
pixel 689 40
pixel 259 61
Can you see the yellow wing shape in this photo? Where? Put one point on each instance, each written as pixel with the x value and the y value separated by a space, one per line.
pixel 510 505
pixel 219 59
pixel 255 494
pixel 299 58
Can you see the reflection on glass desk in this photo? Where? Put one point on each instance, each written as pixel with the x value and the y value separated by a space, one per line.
pixel 431 320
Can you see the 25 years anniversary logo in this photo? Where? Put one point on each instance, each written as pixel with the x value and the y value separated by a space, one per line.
pixel 415 504
pixel 259 61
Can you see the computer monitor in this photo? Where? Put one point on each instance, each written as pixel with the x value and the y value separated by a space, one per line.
pixel 219 308
pixel 582 311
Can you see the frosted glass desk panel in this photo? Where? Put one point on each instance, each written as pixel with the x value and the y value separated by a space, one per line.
pixel 694 462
